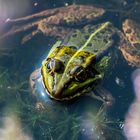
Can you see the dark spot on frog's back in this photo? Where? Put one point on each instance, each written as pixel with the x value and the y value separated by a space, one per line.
pixel 89 30
pixel 95 50
pixel 89 44
pixel 74 35
pixel 73 47
pixel 86 37
pixel 105 40
pixel 66 52
pixel 60 47
pixel 81 58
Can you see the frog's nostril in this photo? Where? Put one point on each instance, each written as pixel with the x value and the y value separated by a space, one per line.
pixel 78 72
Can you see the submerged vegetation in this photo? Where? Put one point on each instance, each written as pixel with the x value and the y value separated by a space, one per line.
pixel 55 120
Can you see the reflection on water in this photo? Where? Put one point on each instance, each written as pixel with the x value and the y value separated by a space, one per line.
pixel 12 129
pixel 80 119
pixel 132 121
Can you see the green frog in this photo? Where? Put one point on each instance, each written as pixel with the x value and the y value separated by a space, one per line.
pixel 76 65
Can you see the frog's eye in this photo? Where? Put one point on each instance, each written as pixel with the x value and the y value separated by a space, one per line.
pixel 54 65
pixel 78 72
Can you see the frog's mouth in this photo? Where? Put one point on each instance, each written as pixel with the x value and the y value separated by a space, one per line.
pixel 75 89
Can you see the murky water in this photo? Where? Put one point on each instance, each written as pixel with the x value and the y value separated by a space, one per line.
pixel 79 119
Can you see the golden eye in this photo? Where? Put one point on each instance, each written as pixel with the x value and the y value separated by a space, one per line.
pixel 78 72
pixel 54 65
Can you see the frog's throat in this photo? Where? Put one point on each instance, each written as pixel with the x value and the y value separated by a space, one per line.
pixel 104 25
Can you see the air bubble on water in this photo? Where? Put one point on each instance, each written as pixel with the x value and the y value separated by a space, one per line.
pixel 35 4
pixel 98 137
pixel 119 82
pixel 125 3
pixel 83 130
pixel 102 133
pixel 66 4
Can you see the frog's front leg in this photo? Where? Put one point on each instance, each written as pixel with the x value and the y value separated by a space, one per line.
pixel 34 78
pixel 100 93
pixel 93 94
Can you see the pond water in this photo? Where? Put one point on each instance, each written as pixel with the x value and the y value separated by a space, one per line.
pixel 22 115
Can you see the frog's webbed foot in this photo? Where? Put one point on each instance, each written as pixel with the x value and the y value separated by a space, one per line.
pixel 103 95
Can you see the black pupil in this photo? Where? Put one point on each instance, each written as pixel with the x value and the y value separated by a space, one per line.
pixel 48 66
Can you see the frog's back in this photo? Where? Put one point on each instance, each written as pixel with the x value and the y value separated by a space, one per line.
pixel 92 38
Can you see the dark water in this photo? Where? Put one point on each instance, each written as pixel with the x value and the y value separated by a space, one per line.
pixel 80 119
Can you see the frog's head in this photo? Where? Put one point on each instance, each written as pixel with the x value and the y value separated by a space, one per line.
pixel 69 68
pixel 66 72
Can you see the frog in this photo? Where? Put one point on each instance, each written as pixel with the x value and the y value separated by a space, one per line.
pixel 76 65
pixel 80 19
pixel 81 61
